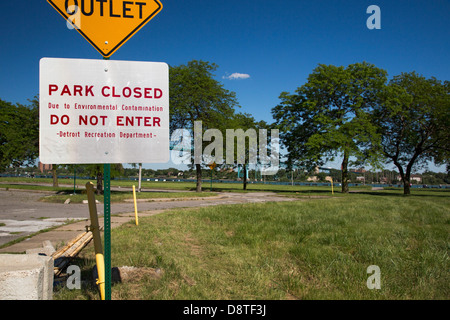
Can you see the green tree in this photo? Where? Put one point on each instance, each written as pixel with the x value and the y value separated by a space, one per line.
pixel 330 116
pixel 245 122
pixel 19 133
pixel 414 122
pixel 96 170
pixel 196 96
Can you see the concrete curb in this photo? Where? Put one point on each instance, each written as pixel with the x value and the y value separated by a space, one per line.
pixel 26 277
pixel 65 233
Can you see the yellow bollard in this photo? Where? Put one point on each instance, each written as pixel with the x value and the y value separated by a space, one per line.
pixel 135 206
pixel 332 191
pixel 97 240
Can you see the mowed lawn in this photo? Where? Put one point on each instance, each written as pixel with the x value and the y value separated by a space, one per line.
pixel 307 249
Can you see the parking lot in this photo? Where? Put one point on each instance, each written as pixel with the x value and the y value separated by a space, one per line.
pixel 22 214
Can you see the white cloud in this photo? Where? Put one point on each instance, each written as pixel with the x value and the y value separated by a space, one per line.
pixel 237 76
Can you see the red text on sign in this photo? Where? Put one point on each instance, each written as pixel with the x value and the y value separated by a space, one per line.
pixel 131 121
pixel 121 121
pixel 92 120
pixel 76 90
pixel 54 119
pixel 106 91
pixel 135 92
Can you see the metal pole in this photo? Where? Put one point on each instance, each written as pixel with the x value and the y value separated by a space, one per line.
pixel 107 229
pixel 107 226
pixel 135 205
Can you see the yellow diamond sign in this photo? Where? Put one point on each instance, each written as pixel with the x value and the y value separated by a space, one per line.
pixel 107 24
pixel 212 165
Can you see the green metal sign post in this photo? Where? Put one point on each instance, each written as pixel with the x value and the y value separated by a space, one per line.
pixel 107 228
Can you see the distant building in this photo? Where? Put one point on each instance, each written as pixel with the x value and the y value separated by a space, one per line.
pixel 316 178
pixel 414 177
pixel 45 167
pixel 384 180
pixel 360 170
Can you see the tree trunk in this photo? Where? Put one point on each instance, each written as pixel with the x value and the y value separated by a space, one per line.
pixel 407 182
pixel 406 178
pixel 245 176
pixel 198 169
pixel 140 177
pixel 55 177
pixel 99 181
pixel 345 173
pixel 406 187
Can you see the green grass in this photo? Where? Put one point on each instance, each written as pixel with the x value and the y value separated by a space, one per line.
pixel 33 187
pixel 285 190
pixel 168 185
pixel 308 249
pixel 64 193
pixel 114 183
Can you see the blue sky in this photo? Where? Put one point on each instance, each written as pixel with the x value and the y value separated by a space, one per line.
pixel 275 43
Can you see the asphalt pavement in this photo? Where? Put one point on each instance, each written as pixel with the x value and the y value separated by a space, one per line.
pixel 22 214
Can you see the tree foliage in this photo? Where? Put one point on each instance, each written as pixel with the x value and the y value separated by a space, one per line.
pixel 196 96
pixel 19 133
pixel 330 115
pixel 247 123
pixel 414 122
pixel 96 170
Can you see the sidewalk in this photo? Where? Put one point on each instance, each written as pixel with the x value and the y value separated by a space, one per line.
pixel 124 212
pixel 62 235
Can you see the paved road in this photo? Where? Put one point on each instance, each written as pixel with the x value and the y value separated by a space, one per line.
pixel 21 212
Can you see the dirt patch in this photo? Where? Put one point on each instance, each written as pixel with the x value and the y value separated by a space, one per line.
pixel 315 197
pixel 130 274
pixel 229 233
pixel 192 245
pixel 132 278
pixel 135 274
pixel 189 280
